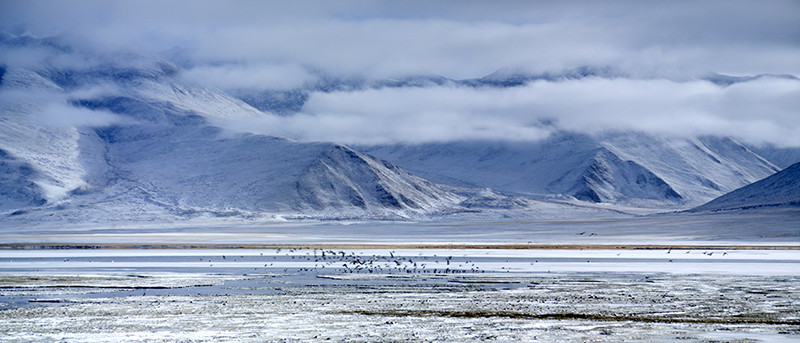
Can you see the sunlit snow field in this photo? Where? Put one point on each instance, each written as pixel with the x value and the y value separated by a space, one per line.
pixel 443 282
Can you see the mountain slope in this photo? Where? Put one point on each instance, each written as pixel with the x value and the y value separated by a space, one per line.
pixel 36 153
pixel 779 190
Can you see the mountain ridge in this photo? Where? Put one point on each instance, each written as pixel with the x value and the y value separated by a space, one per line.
pixel 781 189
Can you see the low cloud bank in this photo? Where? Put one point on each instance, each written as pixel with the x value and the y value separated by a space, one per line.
pixel 760 111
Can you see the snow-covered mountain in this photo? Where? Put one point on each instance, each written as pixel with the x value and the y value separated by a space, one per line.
pixel 779 190
pixel 98 135
pixel 88 135
pixel 623 168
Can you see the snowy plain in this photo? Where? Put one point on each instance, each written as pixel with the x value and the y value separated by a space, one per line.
pixel 668 278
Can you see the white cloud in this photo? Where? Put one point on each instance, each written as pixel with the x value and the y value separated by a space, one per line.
pixel 261 76
pixel 65 115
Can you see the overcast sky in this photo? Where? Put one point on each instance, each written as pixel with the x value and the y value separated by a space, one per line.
pixel 273 45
